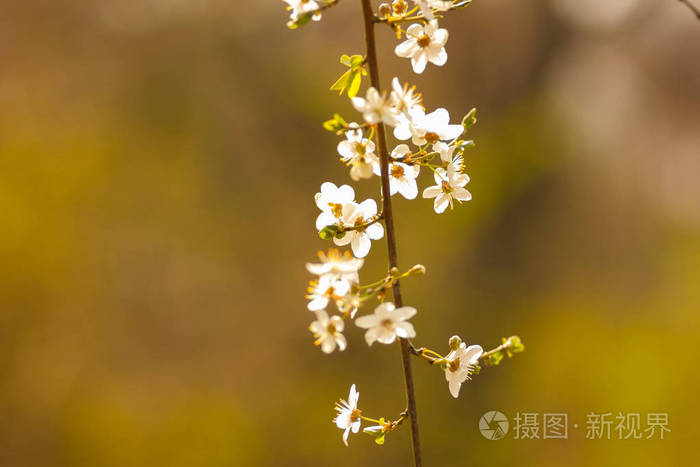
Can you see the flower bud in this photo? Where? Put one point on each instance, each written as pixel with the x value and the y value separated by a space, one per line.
pixel 400 7
pixel 455 342
pixel 394 271
pixel 384 10
pixel 329 232
pixel 418 269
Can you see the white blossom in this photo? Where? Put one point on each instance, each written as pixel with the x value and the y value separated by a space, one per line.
pixel 301 7
pixel 402 177
pixel 358 153
pixel 460 365
pixel 326 289
pixel 356 216
pixel 330 200
pixel 376 108
pixel 446 151
pixel 328 332
pixel 449 187
pixel 403 97
pixel 387 323
pixel 425 128
pixel 349 417
pixel 427 7
pixel 336 264
pixel 424 43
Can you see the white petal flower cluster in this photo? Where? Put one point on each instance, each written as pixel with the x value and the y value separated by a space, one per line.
pixel 337 281
pixel 357 216
pixel 460 365
pixel 357 220
pixel 424 128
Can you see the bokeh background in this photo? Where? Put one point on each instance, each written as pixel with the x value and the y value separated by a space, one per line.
pixel 158 160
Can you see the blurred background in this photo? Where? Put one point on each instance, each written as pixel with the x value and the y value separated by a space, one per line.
pixel 158 164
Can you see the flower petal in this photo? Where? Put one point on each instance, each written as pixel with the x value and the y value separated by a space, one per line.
pixel 404 313
pixel 375 231
pixel 419 61
pixel 407 48
pixel 405 329
pixel 432 192
pixel 441 202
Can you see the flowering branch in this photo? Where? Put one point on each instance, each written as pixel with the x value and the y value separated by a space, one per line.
pixel 352 223
pixel 692 7
pixel 368 17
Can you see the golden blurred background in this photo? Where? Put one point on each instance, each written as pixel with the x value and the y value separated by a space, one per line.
pixel 159 160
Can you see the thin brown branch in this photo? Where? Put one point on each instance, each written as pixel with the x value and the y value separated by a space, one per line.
pixel 692 7
pixel 368 17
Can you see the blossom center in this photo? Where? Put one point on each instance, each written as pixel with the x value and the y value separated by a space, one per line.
pixel 446 188
pixel 360 149
pixel 431 137
pixel 388 324
pixel 396 171
pixel 360 220
pixel 355 415
pixel 336 209
pixel 454 365
pixel 424 40
pixel 331 328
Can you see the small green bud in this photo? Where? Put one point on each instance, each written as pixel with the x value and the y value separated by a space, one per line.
pixel 455 342
pixel 384 10
pixel 336 124
pixel 300 21
pixel 328 232
pixel 394 271
pixel 469 120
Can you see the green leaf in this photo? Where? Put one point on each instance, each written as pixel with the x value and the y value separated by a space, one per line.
pixel 351 80
pixel 356 61
pixel 342 82
pixel 355 82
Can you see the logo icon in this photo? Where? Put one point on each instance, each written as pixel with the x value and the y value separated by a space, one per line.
pixel 493 425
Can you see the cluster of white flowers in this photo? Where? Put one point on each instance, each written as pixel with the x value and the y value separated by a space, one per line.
pixel 432 133
pixel 335 294
pixel 337 281
pixel 356 223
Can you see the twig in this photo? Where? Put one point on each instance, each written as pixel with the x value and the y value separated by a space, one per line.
pixel 368 16
pixel 692 7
